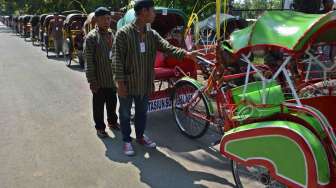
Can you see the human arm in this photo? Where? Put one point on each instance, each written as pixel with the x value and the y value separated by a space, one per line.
pixel 118 62
pixel 90 64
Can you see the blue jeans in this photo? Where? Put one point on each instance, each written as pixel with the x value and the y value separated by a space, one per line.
pixel 141 105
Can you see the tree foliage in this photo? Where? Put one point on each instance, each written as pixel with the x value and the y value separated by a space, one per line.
pixel 45 6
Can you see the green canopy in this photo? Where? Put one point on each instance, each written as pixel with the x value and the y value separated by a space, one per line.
pixel 166 19
pixel 287 30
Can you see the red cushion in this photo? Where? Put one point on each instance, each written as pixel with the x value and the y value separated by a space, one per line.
pixel 323 105
pixel 164 73
pixel 187 65
pixel 210 56
pixel 159 60
pixel 172 62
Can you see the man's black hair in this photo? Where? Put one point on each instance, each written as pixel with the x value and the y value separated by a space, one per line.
pixel 328 1
pixel 141 4
pixel 102 11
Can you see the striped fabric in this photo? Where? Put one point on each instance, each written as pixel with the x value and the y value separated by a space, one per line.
pixel 132 66
pixel 97 47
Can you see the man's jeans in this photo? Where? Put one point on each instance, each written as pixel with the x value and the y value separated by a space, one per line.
pixel 141 104
pixel 104 96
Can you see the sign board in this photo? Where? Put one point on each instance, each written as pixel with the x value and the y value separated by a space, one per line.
pixel 161 100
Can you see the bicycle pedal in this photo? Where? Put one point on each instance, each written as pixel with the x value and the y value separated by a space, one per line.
pixel 216 142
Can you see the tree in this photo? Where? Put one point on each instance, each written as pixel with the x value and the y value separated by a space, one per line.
pixel 44 6
pixel 312 6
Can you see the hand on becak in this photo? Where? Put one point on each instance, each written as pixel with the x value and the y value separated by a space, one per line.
pixel 94 87
pixel 193 55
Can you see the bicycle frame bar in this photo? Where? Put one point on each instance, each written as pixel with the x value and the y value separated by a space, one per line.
pixel 265 80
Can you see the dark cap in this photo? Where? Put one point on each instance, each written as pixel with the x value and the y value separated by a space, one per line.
pixel 140 4
pixel 328 1
pixel 102 11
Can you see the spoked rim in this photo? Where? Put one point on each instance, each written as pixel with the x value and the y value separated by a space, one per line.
pixel 81 59
pixel 67 56
pixel 47 50
pixel 67 60
pixel 253 176
pixel 190 110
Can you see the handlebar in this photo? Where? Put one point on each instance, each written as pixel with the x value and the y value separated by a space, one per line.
pixel 202 59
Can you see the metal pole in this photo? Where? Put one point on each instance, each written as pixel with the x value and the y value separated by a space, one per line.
pixel 218 12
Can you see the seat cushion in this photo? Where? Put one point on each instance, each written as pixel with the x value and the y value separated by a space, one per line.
pixel 254 93
pixel 325 105
pixel 159 60
pixel 187 65
pixel 172 62
pixel 164 73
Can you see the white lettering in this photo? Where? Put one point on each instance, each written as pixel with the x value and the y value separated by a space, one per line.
pixel 166 104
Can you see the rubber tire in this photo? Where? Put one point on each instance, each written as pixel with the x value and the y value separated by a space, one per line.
pixel 46 45
pixel 81 59
pixel 68 57
pixel 180 127
pixel 236 177
pixel 47 49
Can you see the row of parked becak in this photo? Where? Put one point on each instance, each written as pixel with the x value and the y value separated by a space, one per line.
pixel 60 33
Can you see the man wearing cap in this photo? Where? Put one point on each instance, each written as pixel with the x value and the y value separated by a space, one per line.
pixel 134 52
pixel 328 6
pixel 98 53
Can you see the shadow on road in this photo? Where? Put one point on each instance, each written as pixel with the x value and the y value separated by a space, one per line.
pixel 170 128
pixel 54 57
pixel 151 163
pixel 27 39
pixel 77 67
pixel 181 144
pixel 158 169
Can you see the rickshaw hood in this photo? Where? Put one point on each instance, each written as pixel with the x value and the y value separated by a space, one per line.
pixel 289 30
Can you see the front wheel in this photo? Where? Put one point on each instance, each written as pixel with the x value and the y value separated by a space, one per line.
pixel 46 45
pixel 190 109
pixel 67 52
pixel 81 59
pixel 68 59
pixel 47 50
pixel 253 176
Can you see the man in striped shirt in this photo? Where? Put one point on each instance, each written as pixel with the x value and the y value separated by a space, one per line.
pixel 134 52
pixel 97 48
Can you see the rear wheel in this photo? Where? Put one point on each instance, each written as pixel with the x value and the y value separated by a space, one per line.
pixel 67 53
pixel 46 44
pixel 68 59
pixel 47 48
pixel 190 109
pixel 42 45
pixel 253 176
pixel 81 59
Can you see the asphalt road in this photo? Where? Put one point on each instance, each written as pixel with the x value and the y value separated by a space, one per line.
pixel 47 137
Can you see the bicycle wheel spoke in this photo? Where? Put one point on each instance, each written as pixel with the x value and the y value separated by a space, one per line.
pixel 190 112
pixel 255 176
